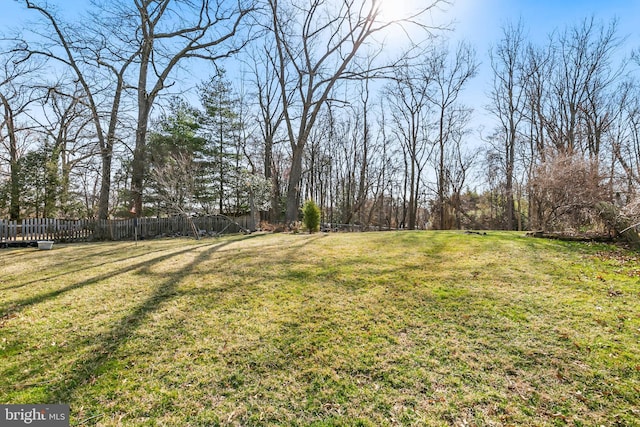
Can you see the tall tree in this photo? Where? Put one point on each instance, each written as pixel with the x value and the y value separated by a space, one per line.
pixel 450 77
pixel 317 45
pixel 583 71
pixel 409 98
pixel 625 139
pixel 270 116
pixel 220 123
pixel 507 103
pixel 99 60
pixel 64 122
pixel 459 161
pixel 170 32
pixel 16 96
pixel 174 145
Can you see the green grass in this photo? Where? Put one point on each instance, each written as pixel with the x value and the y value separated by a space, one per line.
pixel 371 329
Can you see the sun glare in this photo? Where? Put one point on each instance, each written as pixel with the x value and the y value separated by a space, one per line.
pixel 405 14
pixel 393 10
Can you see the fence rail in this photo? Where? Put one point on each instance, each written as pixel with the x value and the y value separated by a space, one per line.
pixel 34 229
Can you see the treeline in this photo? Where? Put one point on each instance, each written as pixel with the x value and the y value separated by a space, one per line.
pixel 109 116
pixel 567 149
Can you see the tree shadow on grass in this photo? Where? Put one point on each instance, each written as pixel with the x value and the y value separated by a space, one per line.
pixel 17 306
pixel 85 369
pixel 35 253
pixel 83 268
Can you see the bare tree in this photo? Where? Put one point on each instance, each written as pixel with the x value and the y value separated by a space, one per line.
pixel 64 121
pixel 176 184
pixel 583 73
pixel 171 32
pixel 148 38
pixel 625 139
pixel 99 61
pixel 538 67
pixel 15 99
pixel 317 45
pixel 507 102
pixel 458 163
pixel 270 115
pixel 364 153
pixel 450 77
pixel 411 110
pixel 570 104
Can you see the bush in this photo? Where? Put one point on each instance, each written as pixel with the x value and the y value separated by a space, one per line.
pixel 311 216
pixel 565 192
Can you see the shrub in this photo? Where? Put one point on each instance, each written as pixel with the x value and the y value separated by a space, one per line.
pixel 311 216
pixel 565 192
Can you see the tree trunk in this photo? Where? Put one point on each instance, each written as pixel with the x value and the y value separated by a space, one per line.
pixel 145 101
pixel 510 157
pixel 137 172
pixel 51 183
pixel 106 152
pixel 14 208
pixel 268 175
pixel 441 178
pixel 412 197
pixel 14 165
pixel 293 189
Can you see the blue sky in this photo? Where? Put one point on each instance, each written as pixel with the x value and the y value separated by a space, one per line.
pixel 477 21
pixel 481 21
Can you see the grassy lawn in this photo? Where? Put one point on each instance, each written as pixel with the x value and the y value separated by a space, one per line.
pixel 371 329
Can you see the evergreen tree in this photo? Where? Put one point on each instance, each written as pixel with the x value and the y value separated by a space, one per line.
pixel 311 216
pixel 220 125
pixel 176 147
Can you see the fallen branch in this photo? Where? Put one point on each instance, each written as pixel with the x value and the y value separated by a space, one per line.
pixel 634 226
pixel 600 238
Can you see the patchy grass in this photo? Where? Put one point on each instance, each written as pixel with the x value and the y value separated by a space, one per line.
pixel 412 328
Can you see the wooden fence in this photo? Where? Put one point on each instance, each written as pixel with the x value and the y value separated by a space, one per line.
pixel 34 229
